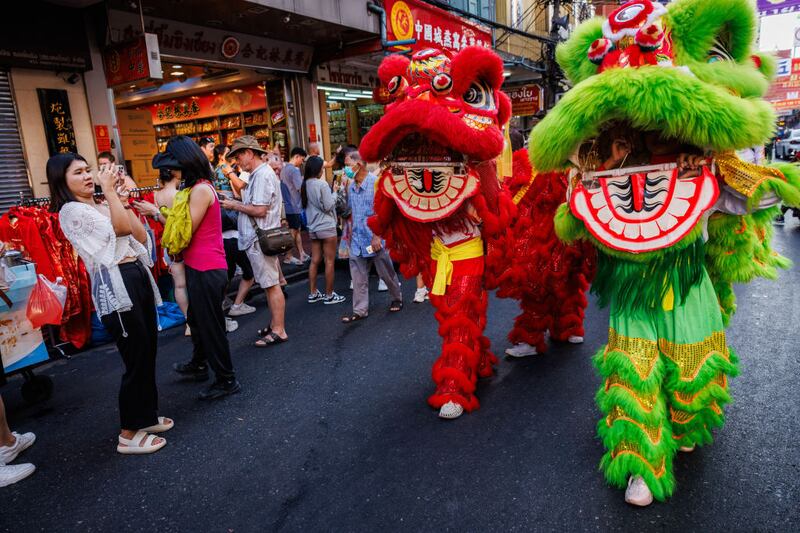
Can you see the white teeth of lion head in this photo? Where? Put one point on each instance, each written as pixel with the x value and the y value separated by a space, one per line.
pixel 684 189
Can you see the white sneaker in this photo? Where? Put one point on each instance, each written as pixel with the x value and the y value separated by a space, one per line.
pixel 241 309
pixel 523 349
pixel 421 295
pixel 23 442
pixel 10 474
pixel 638 493
pixel 333 299
pixel 450 411
pixel 231 325
pixel 575 339
pixel 316 297
pixel 382 286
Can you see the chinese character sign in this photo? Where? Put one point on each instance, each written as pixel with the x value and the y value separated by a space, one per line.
pixel 57 118
pixel 432 27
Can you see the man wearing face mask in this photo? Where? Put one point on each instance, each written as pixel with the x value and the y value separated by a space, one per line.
pixel 366 248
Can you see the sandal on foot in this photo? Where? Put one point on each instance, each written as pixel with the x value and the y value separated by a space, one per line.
pixel 140 444
pixel 263 332
pixel 353 318
pixel 269 339
pixel 395 306
pixel 164 424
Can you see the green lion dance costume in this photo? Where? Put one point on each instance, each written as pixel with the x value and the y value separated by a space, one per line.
pixel 662 98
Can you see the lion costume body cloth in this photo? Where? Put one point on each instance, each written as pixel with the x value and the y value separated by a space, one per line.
pixel 654 86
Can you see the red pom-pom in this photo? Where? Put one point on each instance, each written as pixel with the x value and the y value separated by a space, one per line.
pixel 756 61
pixel 599 49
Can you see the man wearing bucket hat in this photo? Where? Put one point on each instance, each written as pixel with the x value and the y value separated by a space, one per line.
pixel 261 205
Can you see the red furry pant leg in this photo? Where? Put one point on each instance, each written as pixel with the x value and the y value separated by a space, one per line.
pixel 569 307
pixel 461 314
pixel 535 319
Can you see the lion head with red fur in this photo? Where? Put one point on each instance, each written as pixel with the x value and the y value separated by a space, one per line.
pixel 445 119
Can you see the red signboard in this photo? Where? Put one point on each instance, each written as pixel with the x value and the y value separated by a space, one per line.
pixel 525 100
pixel 239 100
pixel 432 27
pixel 126 63
pixel 784 93
pixel 102 138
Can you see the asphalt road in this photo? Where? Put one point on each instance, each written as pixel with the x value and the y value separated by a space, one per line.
pixel 332 433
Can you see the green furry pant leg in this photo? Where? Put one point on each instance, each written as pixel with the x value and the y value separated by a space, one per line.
pixel 666 377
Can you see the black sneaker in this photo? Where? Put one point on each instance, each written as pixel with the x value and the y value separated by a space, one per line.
pixel 220 389
pixel 191 370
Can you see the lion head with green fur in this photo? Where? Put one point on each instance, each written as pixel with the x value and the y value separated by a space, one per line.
pixel 709 97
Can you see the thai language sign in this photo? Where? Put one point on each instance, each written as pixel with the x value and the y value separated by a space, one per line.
pixel 525 100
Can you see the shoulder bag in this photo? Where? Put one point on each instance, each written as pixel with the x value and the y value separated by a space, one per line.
pixel 273 241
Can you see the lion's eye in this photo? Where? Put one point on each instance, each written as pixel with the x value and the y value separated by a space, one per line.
pixel 718 53
pixel 479 96
pixel 442 83
pixel 396 84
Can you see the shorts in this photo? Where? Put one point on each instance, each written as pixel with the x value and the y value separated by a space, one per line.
pixel 266 268
pixel 294 220
pixel 322 234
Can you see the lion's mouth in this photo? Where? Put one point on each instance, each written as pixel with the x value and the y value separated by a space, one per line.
pixel 641 201
pixel 427 181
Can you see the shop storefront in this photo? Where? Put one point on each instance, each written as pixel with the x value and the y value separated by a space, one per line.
pixel 209 83
pixel 348 96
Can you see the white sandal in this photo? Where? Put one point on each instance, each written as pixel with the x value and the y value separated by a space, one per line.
pixel 133 446
pixel 161 427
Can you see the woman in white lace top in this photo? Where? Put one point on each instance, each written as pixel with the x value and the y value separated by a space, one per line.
pixel 114 246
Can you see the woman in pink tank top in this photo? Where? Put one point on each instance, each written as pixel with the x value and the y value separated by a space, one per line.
pixel 205 250
pixel 206 270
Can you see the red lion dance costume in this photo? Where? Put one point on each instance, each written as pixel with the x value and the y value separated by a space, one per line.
pixel 547 276
pixel 439 203
pixel 444 214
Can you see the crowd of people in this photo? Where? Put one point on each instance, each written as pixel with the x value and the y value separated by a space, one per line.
pixel 223 199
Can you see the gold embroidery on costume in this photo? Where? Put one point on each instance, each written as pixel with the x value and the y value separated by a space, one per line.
pixel 643 353
pixel 632 449
pixel 687 398
pixel 646 402
pixel 690 358
pixel 744 177
pixel 617 413
pixel 681 417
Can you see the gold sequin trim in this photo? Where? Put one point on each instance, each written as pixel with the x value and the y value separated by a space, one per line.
pixel 521 193
pixel 643 353
pixel 681 417
pixel 690 358
pixel 687 398
pixel 646 402
pixel 631 449
pixel 617 413
pixel 744 177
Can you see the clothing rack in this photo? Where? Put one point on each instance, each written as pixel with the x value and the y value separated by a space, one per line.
pixel 44 200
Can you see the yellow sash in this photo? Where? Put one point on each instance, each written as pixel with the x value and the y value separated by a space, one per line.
pixel 444 257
